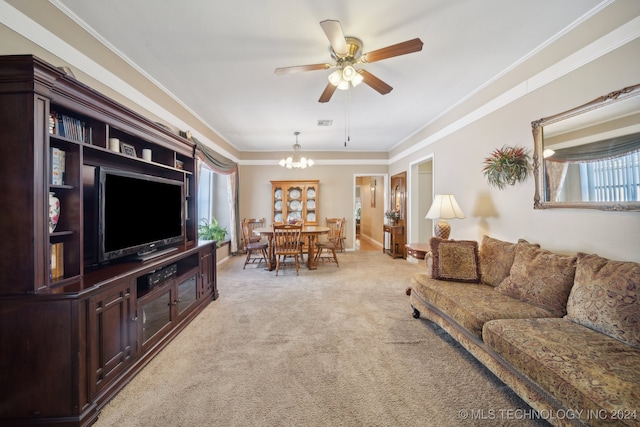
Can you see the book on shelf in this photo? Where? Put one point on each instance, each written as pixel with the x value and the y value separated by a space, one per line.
pixel 58 160
pixel 69 127
pixel 57 260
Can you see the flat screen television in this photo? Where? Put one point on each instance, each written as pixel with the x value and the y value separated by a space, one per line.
pixel 138 214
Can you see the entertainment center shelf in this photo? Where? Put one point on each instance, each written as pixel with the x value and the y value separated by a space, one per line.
pixel 78 317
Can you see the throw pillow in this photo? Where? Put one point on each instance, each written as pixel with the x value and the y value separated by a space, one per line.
pixel 606 297
pixel 428 260
pixel 455 260
pixel 541 278
pixel 496 258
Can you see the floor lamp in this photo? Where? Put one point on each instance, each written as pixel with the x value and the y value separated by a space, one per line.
pixel 444 207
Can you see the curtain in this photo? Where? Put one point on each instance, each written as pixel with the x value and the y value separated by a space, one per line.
pixel 556 175
pixel 224 166
pixel 600 150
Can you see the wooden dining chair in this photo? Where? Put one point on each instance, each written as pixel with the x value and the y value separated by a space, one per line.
pixel 257 249
pixel 254 223
pixel 330 246
pixel 332 223
pixel 286 243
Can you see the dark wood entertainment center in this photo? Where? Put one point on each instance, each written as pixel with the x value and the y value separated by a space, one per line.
pixel 70 343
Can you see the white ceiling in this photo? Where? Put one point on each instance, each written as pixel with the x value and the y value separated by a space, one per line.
pixel 218 58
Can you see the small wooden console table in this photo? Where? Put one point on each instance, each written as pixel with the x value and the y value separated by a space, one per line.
pixel 396 245
pixel 418 250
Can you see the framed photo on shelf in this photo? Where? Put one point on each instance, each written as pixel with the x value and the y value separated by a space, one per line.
pixel 128 150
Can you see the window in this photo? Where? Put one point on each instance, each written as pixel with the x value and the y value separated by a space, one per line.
pixel 611 180
pixel 213 200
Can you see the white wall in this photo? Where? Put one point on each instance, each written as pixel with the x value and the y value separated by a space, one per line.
pixel 457 156
pixel 509 214
pixel 336 192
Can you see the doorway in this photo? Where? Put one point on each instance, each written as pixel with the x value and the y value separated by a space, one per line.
pixel 369 201
pixel 421 196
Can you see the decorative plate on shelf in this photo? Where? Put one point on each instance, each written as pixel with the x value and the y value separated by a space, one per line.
pixel 294 215
pixel 311 193
pixel 295 205
pixel 278 205
pixel 311 204
pixel 311 216
pixel 294 194
pixel 278 194
pixel 278 217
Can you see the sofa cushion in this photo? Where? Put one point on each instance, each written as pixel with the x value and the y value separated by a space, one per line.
pixel 541 278
pixel 606 297
pixel 471 305
pixel 583 369
pixel 455 260
pixel 496 258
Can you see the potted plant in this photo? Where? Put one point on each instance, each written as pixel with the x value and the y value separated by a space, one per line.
pixel 211 231
pixel 506 166
pixel 392 216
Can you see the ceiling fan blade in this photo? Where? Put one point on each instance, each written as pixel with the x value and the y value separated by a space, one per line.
pixel 327 93
pixel 334 33
pixel 377 84
pixel 299 68
pixel 410 46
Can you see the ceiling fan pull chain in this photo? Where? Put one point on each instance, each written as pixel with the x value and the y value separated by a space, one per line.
pixel 347 129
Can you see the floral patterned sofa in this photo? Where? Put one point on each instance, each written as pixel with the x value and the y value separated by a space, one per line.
pixel 562 331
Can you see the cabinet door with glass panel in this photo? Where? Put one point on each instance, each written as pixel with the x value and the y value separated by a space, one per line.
pixel 292 200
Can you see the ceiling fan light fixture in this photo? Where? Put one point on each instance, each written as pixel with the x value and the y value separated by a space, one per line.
pixel 335 77
pixel 357 79
pixel 343 85
pixel 348 73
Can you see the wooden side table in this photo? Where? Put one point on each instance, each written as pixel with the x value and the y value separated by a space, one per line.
pixel 396 241
pixel 418 250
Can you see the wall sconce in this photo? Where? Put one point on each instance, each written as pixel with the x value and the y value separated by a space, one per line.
pixel 373 192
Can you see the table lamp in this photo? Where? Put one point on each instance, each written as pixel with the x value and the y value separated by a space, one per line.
pixel 444 207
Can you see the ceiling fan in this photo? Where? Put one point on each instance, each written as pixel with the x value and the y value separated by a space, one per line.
pixel 347 52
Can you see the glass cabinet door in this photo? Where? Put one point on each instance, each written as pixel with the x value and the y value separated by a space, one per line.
pixel 187 294
pixel 311 204
pixel 295 203
pixel 156 314
pixel 278 204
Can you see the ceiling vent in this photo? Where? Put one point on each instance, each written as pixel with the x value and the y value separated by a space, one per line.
pixel 325 122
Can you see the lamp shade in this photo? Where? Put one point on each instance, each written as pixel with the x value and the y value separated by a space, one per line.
pixel 445 206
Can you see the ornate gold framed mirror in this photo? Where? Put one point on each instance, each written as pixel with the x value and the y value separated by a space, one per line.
pixel 589 157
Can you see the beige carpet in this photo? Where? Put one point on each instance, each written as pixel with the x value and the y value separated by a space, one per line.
pixel 332 347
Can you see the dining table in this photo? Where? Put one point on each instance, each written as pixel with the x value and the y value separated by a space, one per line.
pixel 309 233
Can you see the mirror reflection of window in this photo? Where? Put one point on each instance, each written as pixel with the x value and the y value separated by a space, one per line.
pixel 591 154
pixel 602 171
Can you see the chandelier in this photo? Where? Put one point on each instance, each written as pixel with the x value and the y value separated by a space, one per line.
pixel 296 160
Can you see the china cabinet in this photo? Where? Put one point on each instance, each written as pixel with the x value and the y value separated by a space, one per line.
pixel 292 200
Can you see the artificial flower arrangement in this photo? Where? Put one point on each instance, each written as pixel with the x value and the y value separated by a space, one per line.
pixel 392 215
pixel 506 166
